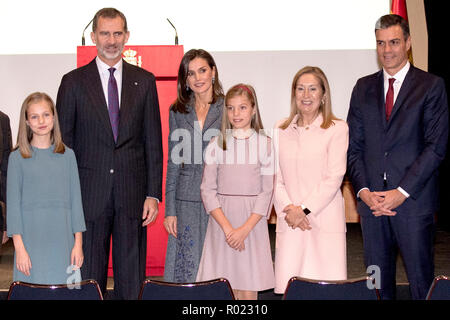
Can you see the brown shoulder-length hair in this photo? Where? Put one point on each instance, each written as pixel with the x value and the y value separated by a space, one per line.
pixel 325 107
pixel 248 91
pixel 25 134
pixel 184 94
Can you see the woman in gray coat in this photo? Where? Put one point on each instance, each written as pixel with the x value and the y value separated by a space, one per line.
pixel 195 118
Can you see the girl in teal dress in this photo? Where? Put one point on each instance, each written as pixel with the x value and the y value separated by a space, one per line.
pixel 44 210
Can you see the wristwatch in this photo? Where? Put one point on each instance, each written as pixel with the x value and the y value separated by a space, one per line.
pixel 305 209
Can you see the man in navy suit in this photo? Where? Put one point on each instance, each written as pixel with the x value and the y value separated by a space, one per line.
pixel 398 121
pixel 109 115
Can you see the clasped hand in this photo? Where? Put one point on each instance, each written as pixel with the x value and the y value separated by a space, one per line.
pixel 382 203
pixel 296 218
pixel 235 238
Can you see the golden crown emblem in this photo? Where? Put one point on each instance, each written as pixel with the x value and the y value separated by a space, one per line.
pixel 130 57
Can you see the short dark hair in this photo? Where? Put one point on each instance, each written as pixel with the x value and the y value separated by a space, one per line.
pixel 390 20
pixel 109 13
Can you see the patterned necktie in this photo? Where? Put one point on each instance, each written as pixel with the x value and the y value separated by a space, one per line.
pixel 390 98
pixel 113 103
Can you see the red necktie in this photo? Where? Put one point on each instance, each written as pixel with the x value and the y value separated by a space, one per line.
pixel 390 98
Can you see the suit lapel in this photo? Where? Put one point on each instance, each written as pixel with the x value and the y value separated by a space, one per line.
pixel 211 117
pixel 129 85
pixel 213 114
pixel 191 117
pixel 379 87
pixel 96 95
pixel 403 93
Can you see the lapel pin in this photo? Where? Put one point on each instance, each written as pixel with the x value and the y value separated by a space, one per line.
pixel 135 83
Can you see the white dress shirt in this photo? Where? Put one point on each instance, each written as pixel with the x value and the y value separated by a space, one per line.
pixel 399 78
pixel 104 76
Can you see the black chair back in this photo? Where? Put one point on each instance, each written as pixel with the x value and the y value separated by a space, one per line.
pixel 439 289
pixel 353 289
pixel 217 289
pixel 84 290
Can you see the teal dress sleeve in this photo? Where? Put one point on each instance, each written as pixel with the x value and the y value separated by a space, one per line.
pixel 78 223
pixel 14 180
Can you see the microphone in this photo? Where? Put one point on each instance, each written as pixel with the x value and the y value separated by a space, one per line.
pixel 82 37
pixel 176 34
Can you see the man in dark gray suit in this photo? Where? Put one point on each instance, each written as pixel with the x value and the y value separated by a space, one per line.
pixel 109 115
pixel 5 150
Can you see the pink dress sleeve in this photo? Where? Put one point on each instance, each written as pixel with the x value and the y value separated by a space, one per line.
pixel 281 197
pixel 264 200
pixel 208 187
pixel 326 190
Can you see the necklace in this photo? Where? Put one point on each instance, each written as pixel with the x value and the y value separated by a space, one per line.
pixel 301 123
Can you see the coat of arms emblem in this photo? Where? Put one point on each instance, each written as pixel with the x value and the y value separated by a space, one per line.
pixel 130 57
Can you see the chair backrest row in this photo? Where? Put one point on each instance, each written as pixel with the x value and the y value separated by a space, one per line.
pixel 440 289
pixel 219 289
pixel 354 289
pixel 84 290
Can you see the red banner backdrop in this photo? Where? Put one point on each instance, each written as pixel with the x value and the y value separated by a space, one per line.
pixel 399 7
pixel 163 62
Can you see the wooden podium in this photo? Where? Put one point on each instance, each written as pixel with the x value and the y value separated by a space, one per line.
pixel 163 62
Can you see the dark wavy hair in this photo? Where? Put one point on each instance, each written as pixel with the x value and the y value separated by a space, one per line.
pixel 184 95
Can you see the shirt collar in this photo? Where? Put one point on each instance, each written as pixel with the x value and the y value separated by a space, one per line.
pixel 316 123
pixel 400 75
pixel 104 68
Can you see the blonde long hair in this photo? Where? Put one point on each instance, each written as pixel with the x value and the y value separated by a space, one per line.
pixel 324 109
pixel 25 134
pixel 248 91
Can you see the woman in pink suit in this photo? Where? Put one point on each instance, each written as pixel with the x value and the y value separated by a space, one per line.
pixel 312 149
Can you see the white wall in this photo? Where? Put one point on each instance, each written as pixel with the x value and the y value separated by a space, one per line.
pixel 270 72
pixel 55 26
pixel 263 42
pixel 21 75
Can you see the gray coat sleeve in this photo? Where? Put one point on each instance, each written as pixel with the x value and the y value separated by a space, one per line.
pixel 172 171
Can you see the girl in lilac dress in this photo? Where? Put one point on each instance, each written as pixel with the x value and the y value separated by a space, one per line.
pixel 237 189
